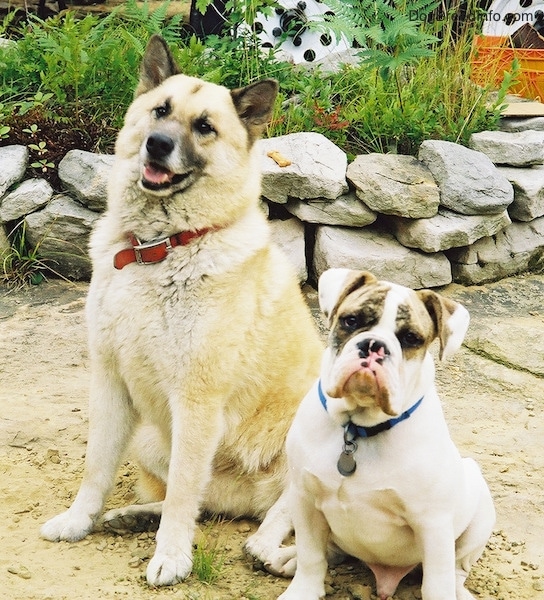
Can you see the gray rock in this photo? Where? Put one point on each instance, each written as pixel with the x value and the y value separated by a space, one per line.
pixel 522 124
pixel 380 253
pixel 14 162
pixel 289 236
pixel 528 192
pixel 62 229
pixel 86 176
pixel 5 43
pixel 469 182
pixel 517 248
pixel 446 230
pixel 346 210
pixel 394 184
pixel 335 61
pixel 518 149
pixel 317 169
pixel 31 195
pixel 523 332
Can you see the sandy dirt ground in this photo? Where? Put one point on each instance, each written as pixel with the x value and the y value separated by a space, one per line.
pixel 493 395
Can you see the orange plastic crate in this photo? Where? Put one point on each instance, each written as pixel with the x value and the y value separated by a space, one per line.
pixel 491 56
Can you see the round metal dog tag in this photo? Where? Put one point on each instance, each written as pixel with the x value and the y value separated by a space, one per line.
pixel 346 464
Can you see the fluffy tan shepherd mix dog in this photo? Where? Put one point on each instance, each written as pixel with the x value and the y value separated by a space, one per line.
pixel 206 349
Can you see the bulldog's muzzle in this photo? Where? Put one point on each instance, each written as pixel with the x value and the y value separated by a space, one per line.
pixel 372 351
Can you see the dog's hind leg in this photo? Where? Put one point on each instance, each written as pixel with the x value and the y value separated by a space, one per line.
pixel 153 456
pixel 135 518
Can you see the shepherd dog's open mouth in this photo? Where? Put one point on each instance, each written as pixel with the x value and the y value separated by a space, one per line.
pixel 156 177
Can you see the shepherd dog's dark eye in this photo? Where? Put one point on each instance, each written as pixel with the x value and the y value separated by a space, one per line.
pixel 163 110
pixel 203 126
pixel 350 322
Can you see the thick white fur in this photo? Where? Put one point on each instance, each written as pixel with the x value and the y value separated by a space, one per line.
pixel 412 498
pixel 206 354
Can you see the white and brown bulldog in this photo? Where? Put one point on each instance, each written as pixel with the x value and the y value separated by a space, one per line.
pixel 373 468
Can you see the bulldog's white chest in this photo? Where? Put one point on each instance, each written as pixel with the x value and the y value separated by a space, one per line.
pixel 372 511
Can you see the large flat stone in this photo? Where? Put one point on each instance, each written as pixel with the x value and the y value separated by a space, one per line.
pixel 86 175
pixel 446 230
pixel 289 236
pixel 31 195
pixel 62 230
pixel 14 161
pixel 346 210
pixel 528 192
pixel 469 182
pixel 517 248
pixel 522 124
pixel 393 184
pixel 379 252
pixel 517 149
pixel 317 169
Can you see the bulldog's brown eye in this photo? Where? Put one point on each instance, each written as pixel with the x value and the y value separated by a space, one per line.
pixel 410 339
pixel 350 322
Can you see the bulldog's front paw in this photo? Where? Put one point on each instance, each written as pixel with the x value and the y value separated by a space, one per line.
pixel 68 526
pixel 303 591
pixel 282 562
pixel 168 569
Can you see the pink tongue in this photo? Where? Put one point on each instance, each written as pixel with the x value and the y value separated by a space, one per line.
pixel 155 175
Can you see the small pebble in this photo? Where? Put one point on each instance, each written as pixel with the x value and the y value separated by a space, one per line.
pixel 20 571
pixel 244 528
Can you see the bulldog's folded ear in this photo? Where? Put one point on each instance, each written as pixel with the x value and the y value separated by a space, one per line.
pixel 451 320
pixel 335 285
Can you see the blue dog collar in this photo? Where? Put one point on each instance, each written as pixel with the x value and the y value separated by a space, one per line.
pixel 365 432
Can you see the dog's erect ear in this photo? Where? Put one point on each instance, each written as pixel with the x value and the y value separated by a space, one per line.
pixel 157 65
pixel 337 284
pixel 254 104
pixel 450 318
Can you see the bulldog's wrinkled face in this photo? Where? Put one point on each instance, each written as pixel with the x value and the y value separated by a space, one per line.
pixel 379 336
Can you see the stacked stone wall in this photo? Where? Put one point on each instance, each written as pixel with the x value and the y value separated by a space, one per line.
pixel 468 215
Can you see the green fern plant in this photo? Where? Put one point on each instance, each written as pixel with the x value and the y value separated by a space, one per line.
pixel 391 33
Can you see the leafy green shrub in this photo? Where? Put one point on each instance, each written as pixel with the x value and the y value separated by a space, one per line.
pixel 413 82
pixel 88 66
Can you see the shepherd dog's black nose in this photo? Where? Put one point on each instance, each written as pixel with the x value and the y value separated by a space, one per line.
pixel 159 145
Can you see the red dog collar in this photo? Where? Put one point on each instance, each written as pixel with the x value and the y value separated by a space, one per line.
pixel 155 251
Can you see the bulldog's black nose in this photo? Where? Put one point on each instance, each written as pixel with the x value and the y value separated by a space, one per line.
pixel 369 346
pixel 159 145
